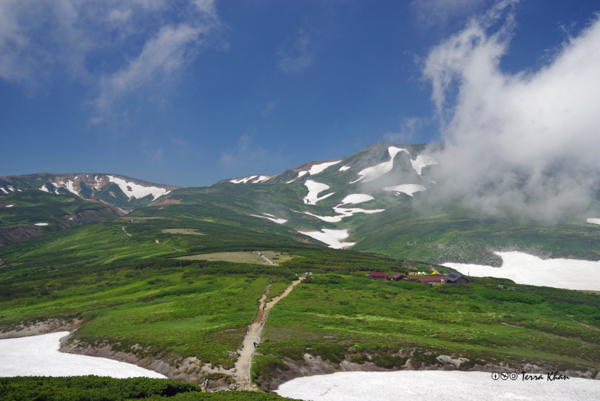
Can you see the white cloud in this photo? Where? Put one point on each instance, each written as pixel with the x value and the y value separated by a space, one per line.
pixel 268 110
pixel 526 142
pixel 408 127
pixel 161 57
pixel 300 55
pixel 245 152
pixel 114 47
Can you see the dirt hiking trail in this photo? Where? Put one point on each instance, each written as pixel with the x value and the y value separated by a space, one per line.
pixel 242 366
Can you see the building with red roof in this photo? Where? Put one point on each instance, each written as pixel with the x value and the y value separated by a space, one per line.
pixel 379 276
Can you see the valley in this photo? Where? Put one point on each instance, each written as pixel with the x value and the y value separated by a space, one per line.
pixel 177 284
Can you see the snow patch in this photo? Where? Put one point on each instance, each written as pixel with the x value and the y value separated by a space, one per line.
pixel 421 162
pixel 267 216
pixel 66 185
pixel 261 178
pixel 433 385
pixel 302 173
pixel 372 173
pixel 39 356
pixel 136 190
pixel 333 238
pixel 343 213
pixel 317 168
pixel 344 168
pixel 314 188
pixel 10 205
pixel 408 189
pixel 354 199
pixel 41 224
pixel 43 188
pixel 243 180
pixel 4 190
pixel 11 189
pixel 522 268
pixel 593 221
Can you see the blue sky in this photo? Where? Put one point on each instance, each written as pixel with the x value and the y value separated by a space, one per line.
pixel 191 92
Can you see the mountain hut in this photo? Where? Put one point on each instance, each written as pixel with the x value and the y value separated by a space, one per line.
pixel 379 276
pixel 456 278
pixel 397 277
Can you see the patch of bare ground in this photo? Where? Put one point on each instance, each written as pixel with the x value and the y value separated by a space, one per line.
pixel 234 257
pixel 188 231
pixel 244 362
pixel 588 326
pixel 37 328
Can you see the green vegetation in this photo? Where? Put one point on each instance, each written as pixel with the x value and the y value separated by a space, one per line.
pixel 93 388
pixel 460 236
pixel 59 212
pixel 178 279
pixel 339 316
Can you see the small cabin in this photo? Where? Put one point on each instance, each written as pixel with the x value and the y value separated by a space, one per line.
pixel 457 278
pixel 379 276
pixel 397 277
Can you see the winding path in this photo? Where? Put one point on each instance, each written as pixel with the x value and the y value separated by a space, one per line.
pixel 242 366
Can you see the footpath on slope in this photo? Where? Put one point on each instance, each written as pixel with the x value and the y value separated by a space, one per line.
pixel 244 362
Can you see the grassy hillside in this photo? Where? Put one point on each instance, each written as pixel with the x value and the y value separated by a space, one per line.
pixel 172 309
pixel 348 316
pixel 457 235
pixel 20 211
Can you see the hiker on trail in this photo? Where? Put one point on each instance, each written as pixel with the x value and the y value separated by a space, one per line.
pixel 255 344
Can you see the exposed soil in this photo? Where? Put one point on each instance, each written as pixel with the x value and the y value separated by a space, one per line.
pixel 18 234
pixel 48 326
pixel 244 362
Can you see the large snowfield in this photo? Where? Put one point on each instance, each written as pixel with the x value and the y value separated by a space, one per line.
pixel 374 172
pixel 39 356
pixel 137 191
pixel 522 268
pixel 314 188
pixel 435 385
pixel 317 168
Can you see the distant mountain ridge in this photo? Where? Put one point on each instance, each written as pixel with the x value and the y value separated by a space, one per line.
pixel 118 190
pixel 384 199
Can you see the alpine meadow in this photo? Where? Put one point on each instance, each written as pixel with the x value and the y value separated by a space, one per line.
pixel 443 217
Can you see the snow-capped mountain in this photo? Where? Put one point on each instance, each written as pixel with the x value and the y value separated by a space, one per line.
pixel 121 191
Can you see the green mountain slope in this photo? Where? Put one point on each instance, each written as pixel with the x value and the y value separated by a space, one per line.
pixel 408 215
pixel 33 213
